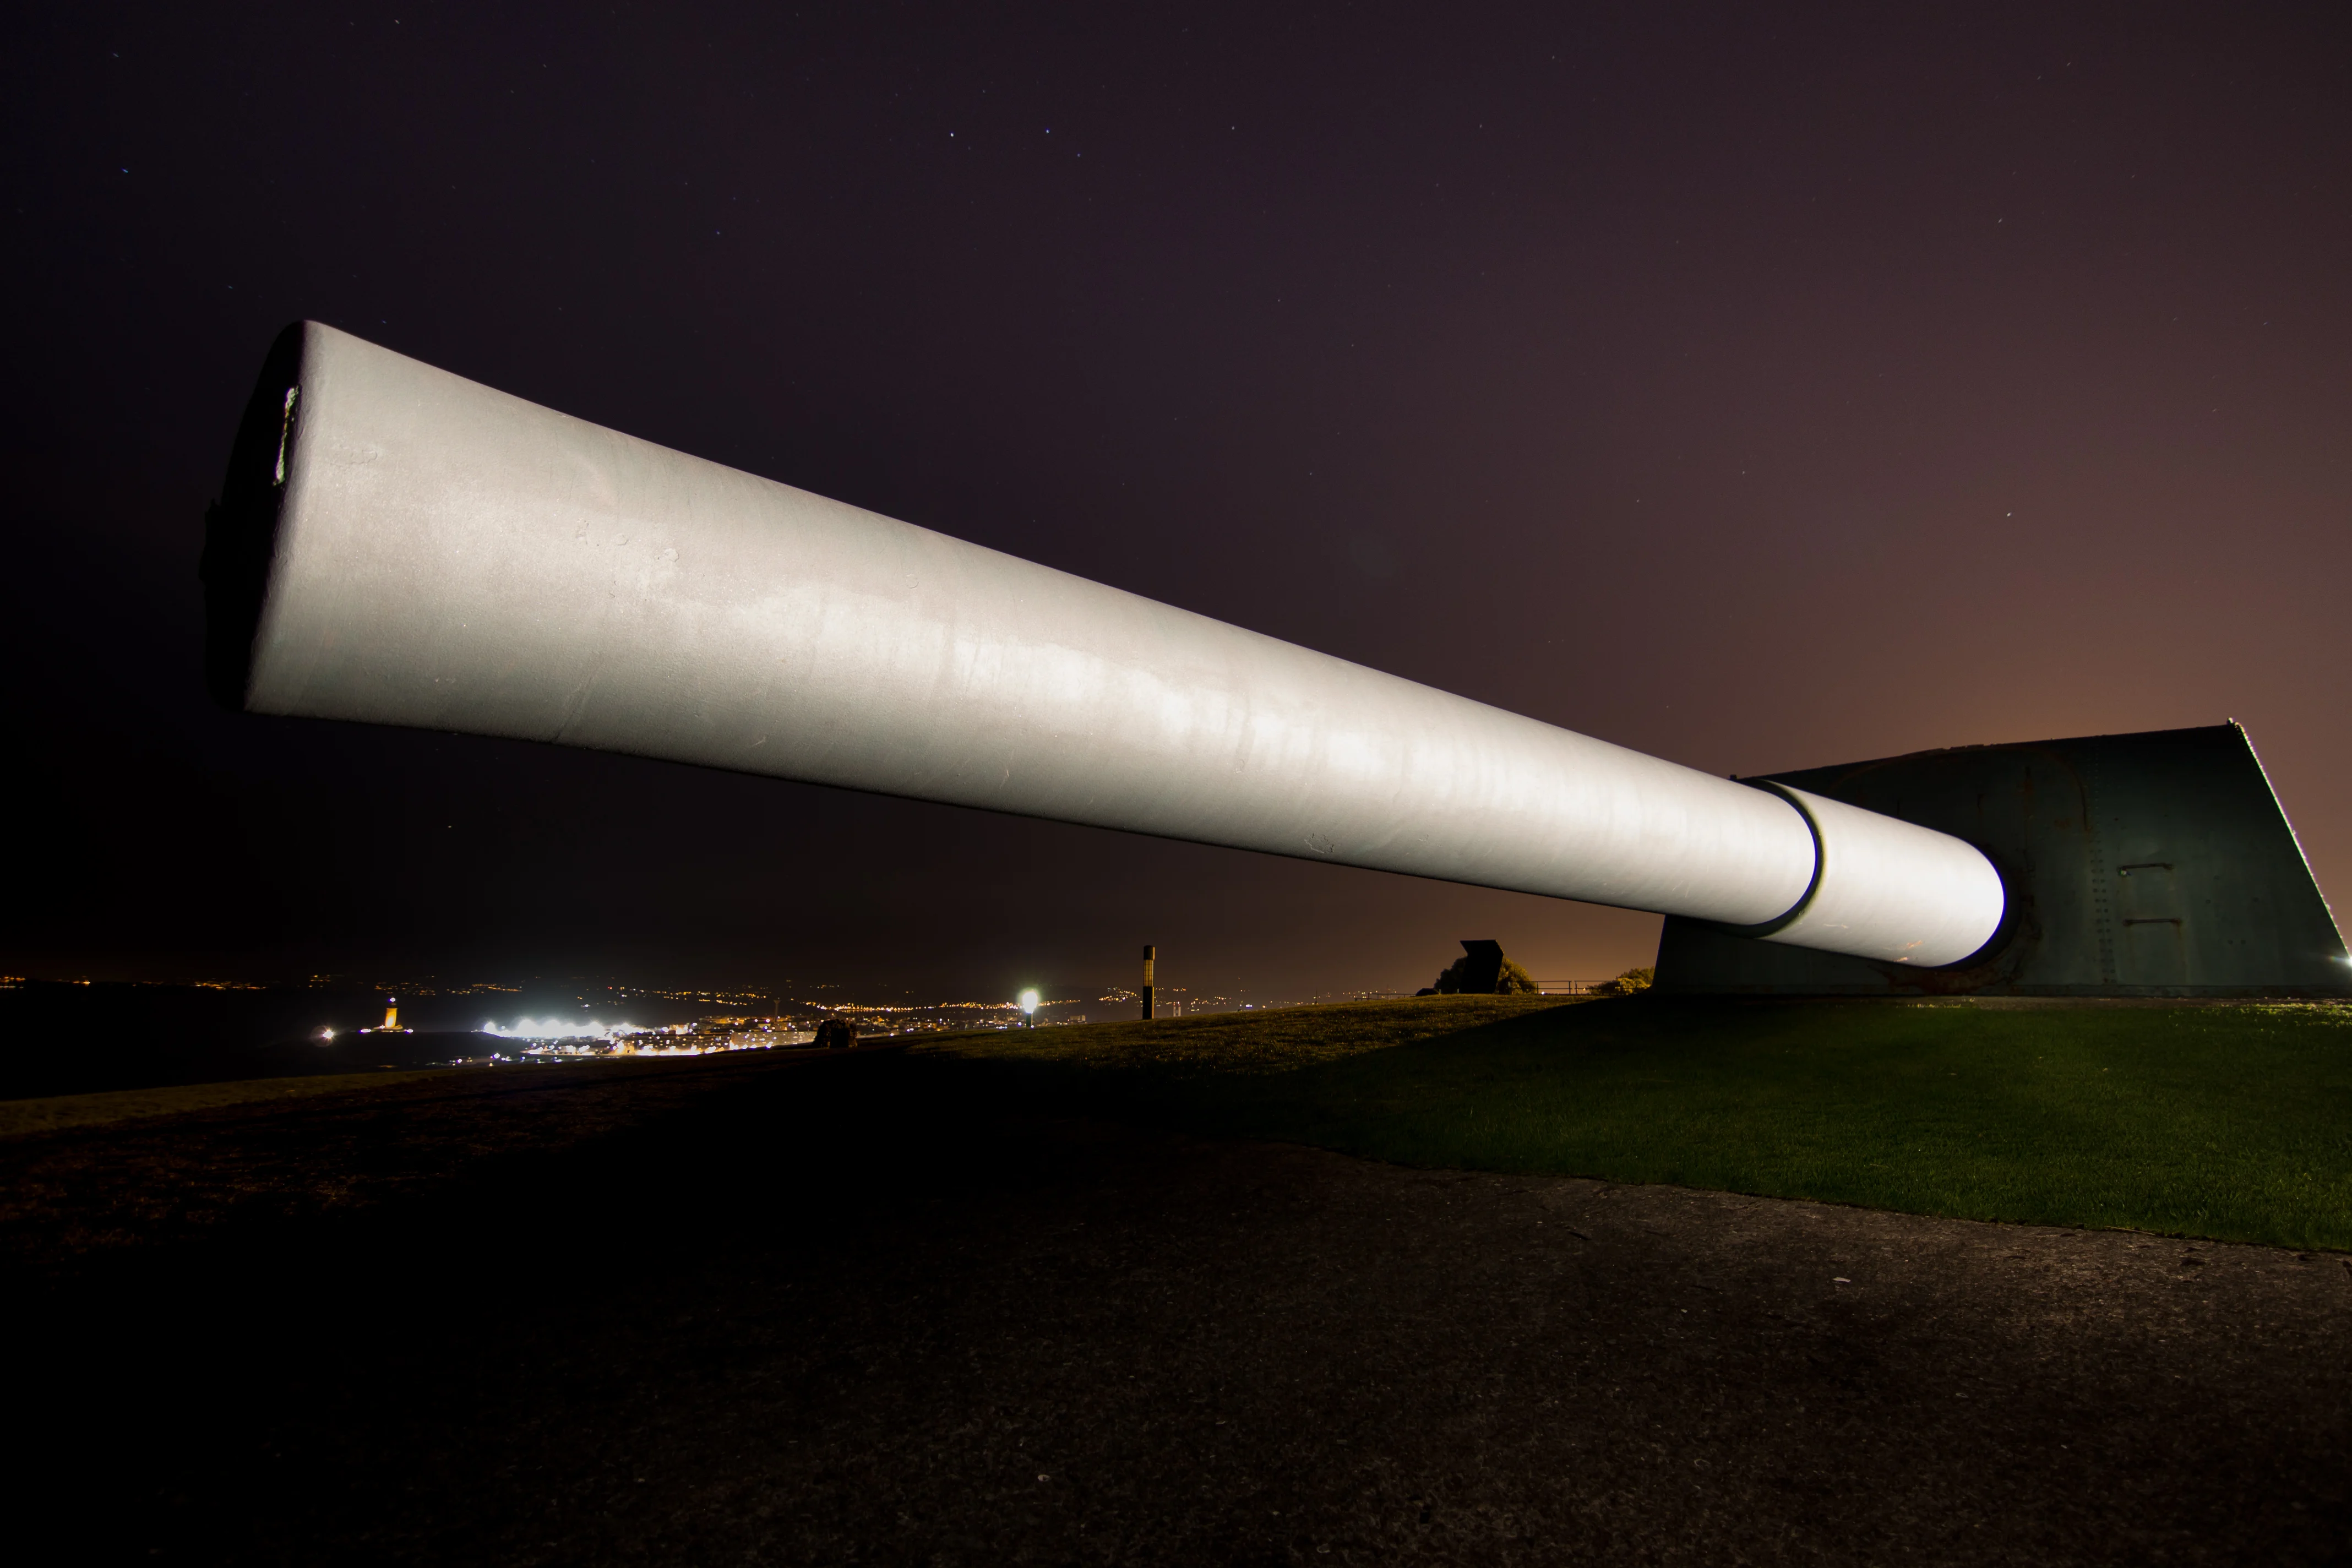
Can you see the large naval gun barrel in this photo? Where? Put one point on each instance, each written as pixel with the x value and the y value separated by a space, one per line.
pixel 398 545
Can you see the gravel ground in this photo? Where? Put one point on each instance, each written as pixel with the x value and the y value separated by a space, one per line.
pixel 856 1311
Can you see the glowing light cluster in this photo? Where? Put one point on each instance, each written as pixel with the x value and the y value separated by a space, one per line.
pixel 563 1029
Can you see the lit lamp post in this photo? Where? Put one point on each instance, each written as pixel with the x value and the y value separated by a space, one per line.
pixel 1029 1007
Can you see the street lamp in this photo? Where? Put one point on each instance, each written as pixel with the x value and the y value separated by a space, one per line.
pixel 1029 1007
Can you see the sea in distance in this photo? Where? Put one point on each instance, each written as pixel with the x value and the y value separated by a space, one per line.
pixel 84 1036
pixel 78 1037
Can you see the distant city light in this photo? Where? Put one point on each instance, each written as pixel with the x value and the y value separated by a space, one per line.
pixel 558 1038
pixel 560 1029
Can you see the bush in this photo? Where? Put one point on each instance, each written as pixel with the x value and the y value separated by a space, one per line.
pixel 1514 981
pixel 1627 984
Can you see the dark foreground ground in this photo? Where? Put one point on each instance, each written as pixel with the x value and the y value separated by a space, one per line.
pixel 864 1310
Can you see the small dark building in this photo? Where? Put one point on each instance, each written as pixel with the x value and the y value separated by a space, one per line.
pixel 1479 972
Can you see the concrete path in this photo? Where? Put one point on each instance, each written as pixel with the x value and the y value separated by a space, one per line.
pixel 825 1315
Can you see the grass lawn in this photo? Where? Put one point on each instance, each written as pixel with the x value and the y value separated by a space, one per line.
pixel 2229 1122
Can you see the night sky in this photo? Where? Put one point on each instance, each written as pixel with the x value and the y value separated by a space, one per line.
pixel 1761 387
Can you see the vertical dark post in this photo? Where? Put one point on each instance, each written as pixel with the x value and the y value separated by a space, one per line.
pixel 1147 981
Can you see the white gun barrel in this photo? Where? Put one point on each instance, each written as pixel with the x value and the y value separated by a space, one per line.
pixel 398 545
